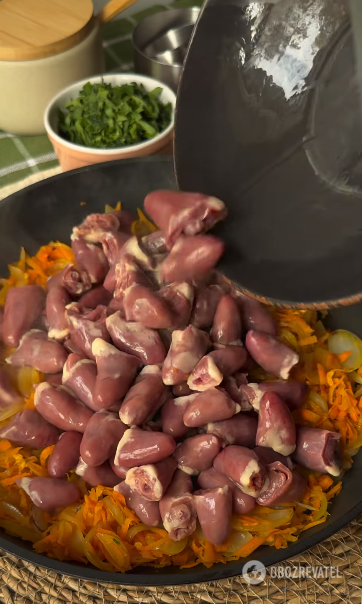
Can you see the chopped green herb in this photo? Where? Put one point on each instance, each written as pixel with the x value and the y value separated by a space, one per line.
pixel 115 540
pixel 106 116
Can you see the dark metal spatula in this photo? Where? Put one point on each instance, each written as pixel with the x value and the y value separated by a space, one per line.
pixel 269 120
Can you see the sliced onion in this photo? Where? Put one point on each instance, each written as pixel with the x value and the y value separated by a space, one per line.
pixel 18 275
pixel 134 530
pixel 24 532
pixel 76 544
pixel 305 506
pixel 27 378
pixel 320 330
pixel 169 547
pixel 91 553
pixel 38 517
pixel 267 518
pixel 341 341
pixel 116 512
pixel 115 551
pixel 236 540
pixel 358 392
pixel 324 504
pixel 13 408
pixel 355 447
pixel 318 400
pixel 11 510
pixel 356 377
pixel 70 514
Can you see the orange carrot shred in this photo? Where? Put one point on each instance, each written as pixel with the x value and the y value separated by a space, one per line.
pixel 344 356
pixel 250 547
pixel 309 416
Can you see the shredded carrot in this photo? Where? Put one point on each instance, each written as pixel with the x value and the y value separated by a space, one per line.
pixel 308 341
pixel 325 482
pixel 309 416
pixel 344 356
pixel 181 559
pixel 49 260
pixel 249 547
pixel 29 402
pixel 334 491
pixel 45 454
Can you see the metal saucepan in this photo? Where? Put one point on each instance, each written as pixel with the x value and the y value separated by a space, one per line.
pixel 160 44
pixel 172 40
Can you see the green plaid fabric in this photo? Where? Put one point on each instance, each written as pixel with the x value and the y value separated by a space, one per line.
pixel 21 156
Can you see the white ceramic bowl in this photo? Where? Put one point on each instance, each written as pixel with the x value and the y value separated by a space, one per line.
pixel 73 156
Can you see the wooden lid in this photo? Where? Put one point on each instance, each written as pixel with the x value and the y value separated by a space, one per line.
pixel 31 29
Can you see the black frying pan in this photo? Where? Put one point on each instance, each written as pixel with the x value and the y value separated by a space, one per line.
pixel 48 210
pixel 269 120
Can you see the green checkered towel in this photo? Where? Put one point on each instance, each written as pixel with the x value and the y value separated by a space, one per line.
pixel 21 156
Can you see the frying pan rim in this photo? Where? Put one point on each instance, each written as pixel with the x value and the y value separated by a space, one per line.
pixel 155 577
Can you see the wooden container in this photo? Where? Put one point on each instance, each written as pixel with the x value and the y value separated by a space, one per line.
pixel 45 45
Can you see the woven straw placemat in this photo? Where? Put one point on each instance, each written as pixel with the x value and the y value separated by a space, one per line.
pixel 24 583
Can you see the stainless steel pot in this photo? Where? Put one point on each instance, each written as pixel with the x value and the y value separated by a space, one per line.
pixel 155 44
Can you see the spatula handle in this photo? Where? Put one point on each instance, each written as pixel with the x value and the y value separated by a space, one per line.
pixel 112 9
